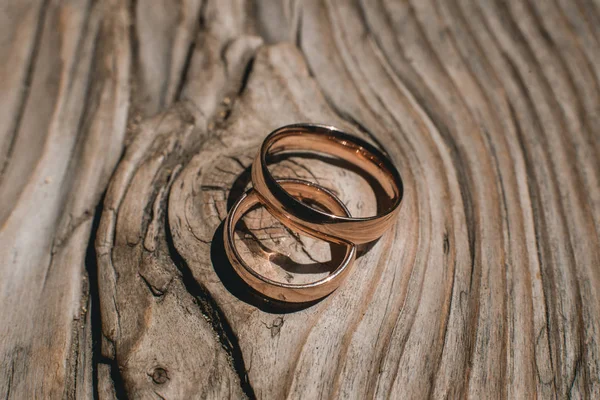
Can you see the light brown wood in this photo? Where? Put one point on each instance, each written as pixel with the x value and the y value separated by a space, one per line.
pixel 129 128
pixel 66 95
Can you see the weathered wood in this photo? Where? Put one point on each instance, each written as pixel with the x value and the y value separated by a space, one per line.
pixel 67 86
pixel 488 286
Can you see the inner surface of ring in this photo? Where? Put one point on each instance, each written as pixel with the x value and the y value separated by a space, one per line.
pixel 305 191
pixel 380 169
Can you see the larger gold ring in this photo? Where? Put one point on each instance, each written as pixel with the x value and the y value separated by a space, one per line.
pixel 329 140
pixel 288 292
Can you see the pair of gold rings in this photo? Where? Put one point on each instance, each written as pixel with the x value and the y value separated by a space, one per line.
pixel 288 200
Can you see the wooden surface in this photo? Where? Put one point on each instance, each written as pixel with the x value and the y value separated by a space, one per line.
pixel 128 129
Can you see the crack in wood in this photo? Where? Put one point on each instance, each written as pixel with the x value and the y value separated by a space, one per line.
pixel 214 315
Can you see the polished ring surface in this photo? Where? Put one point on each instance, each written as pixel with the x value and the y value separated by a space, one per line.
pixel 288 292
pixel 331 141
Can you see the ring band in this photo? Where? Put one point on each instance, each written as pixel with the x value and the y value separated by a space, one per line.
pixel 289 292
pixel 300 216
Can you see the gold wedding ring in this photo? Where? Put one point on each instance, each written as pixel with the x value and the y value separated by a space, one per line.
pixel 288 292
pixel 287 201
pixel 332 142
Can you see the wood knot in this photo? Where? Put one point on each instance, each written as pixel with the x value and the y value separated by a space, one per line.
pixel 160 376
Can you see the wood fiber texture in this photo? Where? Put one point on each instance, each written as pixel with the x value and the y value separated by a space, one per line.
pixel 128 131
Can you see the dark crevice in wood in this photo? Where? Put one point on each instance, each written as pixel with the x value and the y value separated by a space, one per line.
pixel 245 77
pixel 11 376
pixel 576 371
pixel 159 395
pixel 186 66
pixel 30 69
pixel 70 387
pixel 155 291
pixel 91 267
pixel 213 313
pixel 118 384
pixel 158 181
pixel 299 36
pixel 223 53
pixel 451 290
pixel 202 16
pixel 134 65
pixel 115 375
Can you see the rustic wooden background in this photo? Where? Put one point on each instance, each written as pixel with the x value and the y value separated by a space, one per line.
pixel 127 129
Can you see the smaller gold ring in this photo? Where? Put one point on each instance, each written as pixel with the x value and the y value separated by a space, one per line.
pixel 289 292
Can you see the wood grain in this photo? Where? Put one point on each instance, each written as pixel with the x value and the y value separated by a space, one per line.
pixel 70 93
pixel 487 287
